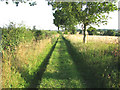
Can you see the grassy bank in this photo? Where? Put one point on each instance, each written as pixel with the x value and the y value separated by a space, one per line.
pixel 61 71
pixel 96 62
pixel 20 67
pixel 23 55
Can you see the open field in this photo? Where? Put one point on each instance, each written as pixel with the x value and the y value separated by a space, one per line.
pixel 91 38
pixel 98 60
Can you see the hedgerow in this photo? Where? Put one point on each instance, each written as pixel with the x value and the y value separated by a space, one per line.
pixel 12 35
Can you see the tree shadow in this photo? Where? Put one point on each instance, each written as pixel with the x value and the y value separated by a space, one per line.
pixel 64 72
pixel 87 72
pixel 38 76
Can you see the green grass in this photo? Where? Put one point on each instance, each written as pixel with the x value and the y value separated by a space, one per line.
pixel 96 63
pixel 17 74
pixel 61 71
pixel 64 64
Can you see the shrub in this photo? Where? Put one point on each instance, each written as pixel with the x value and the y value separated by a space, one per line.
pixel 12 36
pixel 65 32
pixel 117 34
pixel 60 32
pixel 42 34
pixel 110 32
pixel 92 31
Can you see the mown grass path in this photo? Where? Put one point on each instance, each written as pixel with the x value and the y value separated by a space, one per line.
pixel 61 71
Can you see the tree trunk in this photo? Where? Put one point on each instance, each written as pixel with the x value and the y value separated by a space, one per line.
pixel 84 33
pixel 58 28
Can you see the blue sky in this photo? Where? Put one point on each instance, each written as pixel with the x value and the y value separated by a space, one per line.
pixel 40 15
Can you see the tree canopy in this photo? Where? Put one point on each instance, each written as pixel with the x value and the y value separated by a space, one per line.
pixel 92 31
pixel 85 13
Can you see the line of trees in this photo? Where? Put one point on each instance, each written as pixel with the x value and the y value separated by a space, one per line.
pixel 93 31
pixel 69 14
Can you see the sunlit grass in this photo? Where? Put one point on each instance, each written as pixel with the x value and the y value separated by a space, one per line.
pixel 20 67
pixel 61 71
pixel 100 58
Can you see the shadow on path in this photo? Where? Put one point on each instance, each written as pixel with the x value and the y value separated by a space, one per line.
pixel 86 72
pixel 61 71
pixel 38 76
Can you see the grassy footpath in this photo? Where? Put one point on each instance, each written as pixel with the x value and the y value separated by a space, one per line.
pixel 97 63
pixel 61 71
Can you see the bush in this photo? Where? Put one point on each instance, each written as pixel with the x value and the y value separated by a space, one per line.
pixel 65 32
pixel 73 31
pixel 80 32
pixel 110 32
pixel 60 32
pixel 42 34
pixel 12 36
pixel 92 31
pixel 117 34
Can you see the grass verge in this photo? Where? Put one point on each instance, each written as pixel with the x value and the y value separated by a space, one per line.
pixel 21 68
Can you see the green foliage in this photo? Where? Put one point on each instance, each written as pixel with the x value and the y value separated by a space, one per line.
pixel 92 31
pixel 61 71
pixel 65 32
pixel 117 34
pixel 72 29
pixel 96 62
pixel 93 12
pixel 60 32
pixel 110 32
pixel 42 34
pixel 38 34
pixel 24 70
pixel 12 36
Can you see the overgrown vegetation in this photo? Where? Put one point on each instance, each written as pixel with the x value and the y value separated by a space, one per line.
pixel 22 55
pixel 109 32
pixel 92 31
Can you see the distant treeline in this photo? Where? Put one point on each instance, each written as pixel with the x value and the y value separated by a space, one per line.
pixel 104 32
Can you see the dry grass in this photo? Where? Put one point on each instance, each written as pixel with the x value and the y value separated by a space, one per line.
pixel 25 59
pixel 100 56
pixel 32 50
pixel 91 38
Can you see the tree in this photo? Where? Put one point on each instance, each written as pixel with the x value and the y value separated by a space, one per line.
pixel 92 13
pixel 59 18
pixel 110 33
pixel 92 31
pixel 63 17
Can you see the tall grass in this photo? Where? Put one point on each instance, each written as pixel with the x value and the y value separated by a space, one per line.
pixel 22 55
pixel 20 67
pixel 99 61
